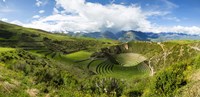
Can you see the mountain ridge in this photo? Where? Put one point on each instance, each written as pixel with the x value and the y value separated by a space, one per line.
pixel 126 36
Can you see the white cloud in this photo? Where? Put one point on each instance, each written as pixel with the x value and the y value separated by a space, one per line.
pixel 63 23
pixel 79 15
pixel 55 11
pixel 85 16
pixel 38 3
pixel 4 0
pixel 36 16
pixel 4 19
pixel 17 22
pixel 178 29
pixel 41 2
pixel 41 11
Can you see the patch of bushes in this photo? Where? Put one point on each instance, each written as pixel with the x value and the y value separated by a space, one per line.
pixel 112 87
pixel 44 70
pixel 6 34
pixel 167 82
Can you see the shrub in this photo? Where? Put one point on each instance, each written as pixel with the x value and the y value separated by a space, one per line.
pixel 112 87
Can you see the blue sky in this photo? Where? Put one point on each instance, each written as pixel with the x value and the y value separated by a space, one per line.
pixel 181 16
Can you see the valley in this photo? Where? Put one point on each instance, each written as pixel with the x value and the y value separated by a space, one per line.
pixel 38 63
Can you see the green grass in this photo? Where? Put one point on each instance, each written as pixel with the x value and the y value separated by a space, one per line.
pixel 4 49
pixel 80 55
pixel 12 83
pixel 73 57
pixel 130 59
pixel 129 73
pixel 131 68
pixel 183 41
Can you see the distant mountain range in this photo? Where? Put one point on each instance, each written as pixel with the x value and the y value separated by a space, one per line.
pixel 126 36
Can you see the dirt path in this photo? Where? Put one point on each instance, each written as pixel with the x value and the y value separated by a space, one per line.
pixel 164 57
pixel 164 52
pixel 151 67
pixel 195 48
pixel 161 45
pixel 181 51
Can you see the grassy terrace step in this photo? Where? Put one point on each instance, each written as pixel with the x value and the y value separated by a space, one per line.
pixel 130 59
pixel 108 69
pixel 80 55
pixel 143 68
pixel 99 67
pixel 104 68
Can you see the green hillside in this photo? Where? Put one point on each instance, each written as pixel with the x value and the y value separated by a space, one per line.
pixel 38 63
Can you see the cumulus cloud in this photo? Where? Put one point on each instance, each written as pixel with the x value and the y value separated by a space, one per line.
pixel 36 16
pixel 41 11
pixel 80 15
pixel 4 19
pixel 17 22
pixel 178 29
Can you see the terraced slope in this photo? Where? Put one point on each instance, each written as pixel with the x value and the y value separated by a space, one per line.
pixel 161 55
pixel 155 55
pixel 130 59
pixel 170 63
pixel 34 39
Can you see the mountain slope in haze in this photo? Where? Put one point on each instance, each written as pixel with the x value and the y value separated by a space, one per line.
pixel 122 36
pixel 126 36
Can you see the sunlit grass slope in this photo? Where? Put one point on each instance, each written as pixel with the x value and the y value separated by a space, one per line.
pixel 3 49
